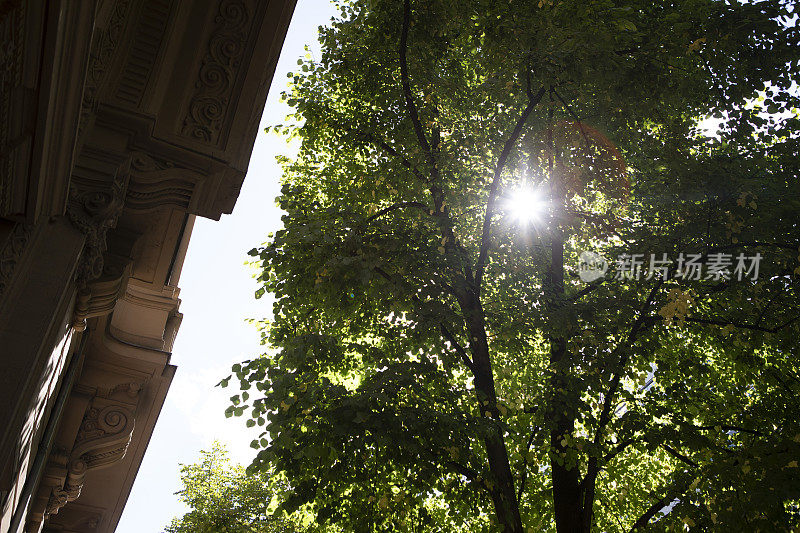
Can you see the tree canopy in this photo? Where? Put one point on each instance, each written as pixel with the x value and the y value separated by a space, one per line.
pixel 435 360
pixel 224 498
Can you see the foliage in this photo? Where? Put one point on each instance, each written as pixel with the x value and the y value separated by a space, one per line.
pixel 436 364
pixel 224 499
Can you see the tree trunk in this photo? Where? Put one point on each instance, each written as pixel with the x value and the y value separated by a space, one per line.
pixel 567 504
pixel 503 493
pixel 567 497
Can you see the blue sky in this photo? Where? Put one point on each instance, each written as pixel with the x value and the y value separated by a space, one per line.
pixel 217 299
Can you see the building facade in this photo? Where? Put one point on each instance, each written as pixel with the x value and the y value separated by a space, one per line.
pixel 120 122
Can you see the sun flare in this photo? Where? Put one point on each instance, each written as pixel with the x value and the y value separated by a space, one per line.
pixel 526 206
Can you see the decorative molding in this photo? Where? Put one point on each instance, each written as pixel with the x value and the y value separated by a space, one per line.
pixel 157 182
pixel 94 207
pixel 102 440
pixel 142 162
pixel 129 390
pixel 98 297
pixel 209 105
pixel 145 44
pixel 76 518
pixel 12 25
pixel 175 192
pixel 12 47
pixel 59 497
pixel 104 434
pixel 11 252
pixel 100 58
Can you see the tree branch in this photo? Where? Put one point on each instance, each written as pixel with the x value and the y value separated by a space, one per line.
pixel 586 290
pixel 468 473
pixel 597 219
pixel 593 466
pixel 406 84
pixel 678 455
pixel 671 494
pixel 442 328
pixel 605 414
pixel 392 151
pixel 575 116
pixel 618 450
pixel 413 113
pixel 459 349
pixel 501 163
pixel 525 468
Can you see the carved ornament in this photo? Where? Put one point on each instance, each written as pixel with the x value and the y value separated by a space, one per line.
pixel 98 297
pixel 100 58
pixel 210 102
pixel 11 252
pixel 94 208
pixel 12 44
pixel 102 440
pixel 157 182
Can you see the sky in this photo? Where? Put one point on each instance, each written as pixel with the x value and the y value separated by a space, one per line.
pixel 216 300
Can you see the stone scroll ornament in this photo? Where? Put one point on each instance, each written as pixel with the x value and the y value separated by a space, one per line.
pixel 226 47
pixel 102 440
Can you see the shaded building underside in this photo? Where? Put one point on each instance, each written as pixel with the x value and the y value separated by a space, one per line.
pixel 120 122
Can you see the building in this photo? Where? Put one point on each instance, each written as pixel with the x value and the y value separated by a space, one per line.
pixel 120 122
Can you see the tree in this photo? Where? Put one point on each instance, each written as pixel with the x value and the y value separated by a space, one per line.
pixel 224 498
pixel 437 363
